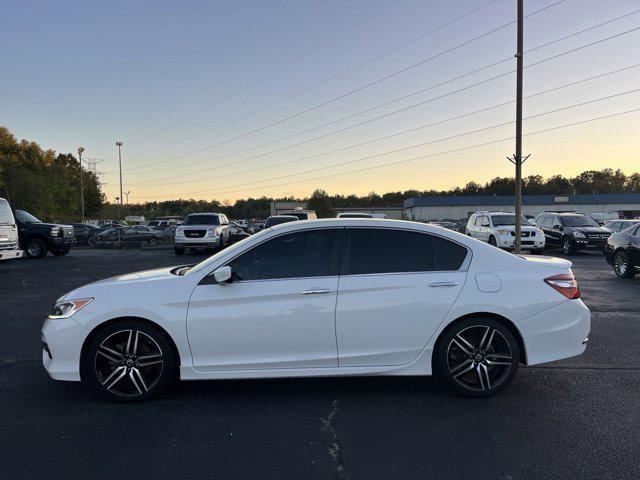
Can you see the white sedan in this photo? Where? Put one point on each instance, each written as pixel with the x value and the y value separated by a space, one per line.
pixel 322 298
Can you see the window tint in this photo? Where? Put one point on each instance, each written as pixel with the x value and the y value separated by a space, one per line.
pixel 311 253
pixel 549 221
pixel 447 255
pixel 387 251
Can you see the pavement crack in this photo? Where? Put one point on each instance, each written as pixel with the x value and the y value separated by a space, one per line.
pixel 334 448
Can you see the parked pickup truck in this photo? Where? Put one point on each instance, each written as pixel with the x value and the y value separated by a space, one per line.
pixel 8 233
pixel 37 238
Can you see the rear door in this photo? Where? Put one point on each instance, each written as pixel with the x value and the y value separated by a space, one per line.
pixel 396 287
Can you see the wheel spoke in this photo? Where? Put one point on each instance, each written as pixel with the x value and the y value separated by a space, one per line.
pixel 134 380
pixel 110 354
pixel 487 339
pixel 129 341
pixel 136 373
pixel 150 359
pixel 459 372
pixel 135 343
pixel 465 346
pixel 483 375
pixel 115 377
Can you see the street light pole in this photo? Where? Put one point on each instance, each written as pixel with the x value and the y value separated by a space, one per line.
pixel 119 144
pixel 80 150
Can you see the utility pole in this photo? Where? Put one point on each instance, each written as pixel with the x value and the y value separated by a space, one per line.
pixel 517 159
pixel 80 150
pixel 119 144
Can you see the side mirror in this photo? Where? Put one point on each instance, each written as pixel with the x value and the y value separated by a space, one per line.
pixel 223 274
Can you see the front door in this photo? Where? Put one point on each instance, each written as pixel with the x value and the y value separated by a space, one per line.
pixel 396 287
pixel 279 310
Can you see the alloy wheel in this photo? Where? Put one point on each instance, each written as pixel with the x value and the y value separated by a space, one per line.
pixel 129 363
pixel 620 264
pixel 479 358
pixel 34 249
pixel 566 246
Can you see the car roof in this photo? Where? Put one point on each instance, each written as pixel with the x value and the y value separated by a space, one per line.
pixel 283 216
pixel 196 213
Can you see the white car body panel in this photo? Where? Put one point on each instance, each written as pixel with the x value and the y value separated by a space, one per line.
pixel 272 330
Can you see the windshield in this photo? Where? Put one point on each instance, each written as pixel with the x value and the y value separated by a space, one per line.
pixel 202 220
pixel 509 219
pixel 26 217
pixel 578 221
pixel 230 249
pixel 153 224
pixel 6 216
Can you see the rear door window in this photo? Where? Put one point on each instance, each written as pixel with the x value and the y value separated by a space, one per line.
pixel 371 251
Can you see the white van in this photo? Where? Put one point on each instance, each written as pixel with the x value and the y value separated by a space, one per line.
pixel 8 233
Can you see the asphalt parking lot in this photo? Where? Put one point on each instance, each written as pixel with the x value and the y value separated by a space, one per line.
pixel 577 418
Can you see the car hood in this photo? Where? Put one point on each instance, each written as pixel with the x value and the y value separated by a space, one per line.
pixel 126 280
pixel 523 228
pixel 591 229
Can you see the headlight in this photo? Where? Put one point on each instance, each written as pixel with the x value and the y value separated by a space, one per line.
pixel 579 235
pixel 66 308
pixel 179 233
pixel 503 232
pixel 539 232
pixel 212 232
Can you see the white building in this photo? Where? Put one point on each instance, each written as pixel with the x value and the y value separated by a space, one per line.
pixel 624 205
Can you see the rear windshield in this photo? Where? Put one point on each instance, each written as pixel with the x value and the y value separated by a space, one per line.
pixel 6 216
pixel 202 220
pixel 271 221
pixel 578 221
pixel 300 215
pixel 355 215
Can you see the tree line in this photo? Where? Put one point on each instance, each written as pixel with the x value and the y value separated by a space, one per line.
pixel 48 185
pixel 45 183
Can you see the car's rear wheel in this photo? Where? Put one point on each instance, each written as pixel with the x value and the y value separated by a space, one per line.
pixel 568 248
pixel 129 361
pixel 36 248
pixel 622 266
pixel 478 357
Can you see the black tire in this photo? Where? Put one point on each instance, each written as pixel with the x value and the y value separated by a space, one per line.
pixel 492 241
pixel 221 246
pixel 622 265
pixel 60 252
pixel 142 376
pixel 153 242
pixel 178 250
pixel 465 365
pixel 568 247
pixel 35 248
pixel 537 251
pixel 91 242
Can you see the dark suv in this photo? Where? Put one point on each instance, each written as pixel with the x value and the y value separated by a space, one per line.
pixel 37 238
pixel 572 231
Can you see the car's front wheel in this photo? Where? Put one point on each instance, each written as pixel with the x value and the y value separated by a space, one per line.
pixel 36 248
pixel 129 361
pixel 492 241
pixel 622 266
pixel 478 357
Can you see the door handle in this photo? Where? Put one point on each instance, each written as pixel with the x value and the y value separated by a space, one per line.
pixel 443 284
pixel 316 291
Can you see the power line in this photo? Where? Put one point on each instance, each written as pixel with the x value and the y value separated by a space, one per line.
pixel 358 89
pixel 235 162
pixel 277 70
pixel 326 80
pixel 385 137
pixel 215 191
pixel 375 107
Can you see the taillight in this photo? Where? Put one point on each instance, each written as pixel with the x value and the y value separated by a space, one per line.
pixel 565 283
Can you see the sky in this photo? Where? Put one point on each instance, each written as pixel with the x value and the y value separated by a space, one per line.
pixel 234 99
